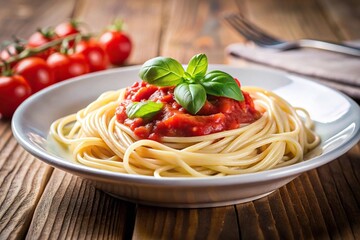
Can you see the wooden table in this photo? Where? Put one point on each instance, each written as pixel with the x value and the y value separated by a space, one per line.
pixel 39 202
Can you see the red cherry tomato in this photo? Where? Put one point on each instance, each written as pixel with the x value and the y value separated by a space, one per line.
pixel 11 50
pixel 117 46
pixel 94 54
pixel 67 28
pixel 13 91
pixel 8 52
pixel 37 39
pixel 67 66
pixel 40 38
pixel 37 73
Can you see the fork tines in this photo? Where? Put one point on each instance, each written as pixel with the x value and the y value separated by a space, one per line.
pixel 250 31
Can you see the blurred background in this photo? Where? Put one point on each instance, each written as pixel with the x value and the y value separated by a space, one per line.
pixel 167 27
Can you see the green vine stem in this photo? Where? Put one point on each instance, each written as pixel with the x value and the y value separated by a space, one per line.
pixel 28 52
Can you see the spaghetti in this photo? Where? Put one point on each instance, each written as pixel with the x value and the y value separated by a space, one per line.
pixel 280 137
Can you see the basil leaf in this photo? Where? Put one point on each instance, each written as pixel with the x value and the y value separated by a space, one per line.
pixel 162 71
pixel 197 66
pixel 190 96
pixel 145 110
pixel 221 84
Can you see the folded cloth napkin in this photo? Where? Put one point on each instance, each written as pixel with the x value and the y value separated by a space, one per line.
pixel 336 70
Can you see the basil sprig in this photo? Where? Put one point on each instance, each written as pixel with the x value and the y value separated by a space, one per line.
pixel 197 66
pixel 221 84
pixel 145 110
pixel 192 85
pixel 191 96
pixel 162 71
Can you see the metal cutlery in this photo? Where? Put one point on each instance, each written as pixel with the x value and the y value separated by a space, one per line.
pixel 261 38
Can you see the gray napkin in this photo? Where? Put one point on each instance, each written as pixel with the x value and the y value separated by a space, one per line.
pixel 335 70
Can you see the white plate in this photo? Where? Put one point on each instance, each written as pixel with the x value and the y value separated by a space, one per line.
pixel 336 117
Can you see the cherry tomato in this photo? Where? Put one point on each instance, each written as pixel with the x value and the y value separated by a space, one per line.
pixel 67 28
pixel 11 50
pixel 117 46
pixel 40 38
pixel 13 91
pixel 36 72
pixel 94 54
pixel 67 66
pixel 8 52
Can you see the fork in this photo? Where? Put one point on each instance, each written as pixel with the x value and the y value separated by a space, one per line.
pixel 263 39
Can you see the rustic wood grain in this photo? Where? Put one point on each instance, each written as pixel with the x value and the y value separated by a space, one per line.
pixel 351 174
pixel 295 223
pixel 71 208
pixel 344 189
pixel 266 219
pixel 344 16
pixel 292 19
pixel 249 221
pixel 198 26
pixel 354 166
pixel 332 195
pixel 21 184
pixel 22 18
pixel 323 204
pixel 167 223
pixel 142 22
pixel 300 211
pixel 312 206
pixel 281 217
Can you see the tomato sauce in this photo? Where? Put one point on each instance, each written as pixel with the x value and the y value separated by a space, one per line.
pixel 218 114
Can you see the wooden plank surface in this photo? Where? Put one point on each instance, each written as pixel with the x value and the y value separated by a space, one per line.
pixel 23 17
pixel 22 181
pixel 23 177
pixel 71 208
pixel 344 17
pixel 197 26
pixel 167 223
pixel 136 16
pixel 37 202
pixel 306 18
